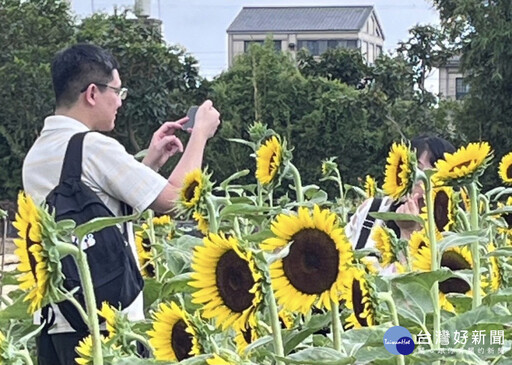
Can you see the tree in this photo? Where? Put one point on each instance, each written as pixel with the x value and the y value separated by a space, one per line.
pixel 31 32
pixel 482 32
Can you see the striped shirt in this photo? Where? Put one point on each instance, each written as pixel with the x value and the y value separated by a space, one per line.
pixel 112 173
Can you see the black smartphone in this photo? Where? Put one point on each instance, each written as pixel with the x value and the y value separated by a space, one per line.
pixel 191 114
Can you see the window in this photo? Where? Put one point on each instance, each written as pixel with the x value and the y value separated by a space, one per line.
pixel 247 44
pixel 461 88
pixel 379 51
pixel 318 47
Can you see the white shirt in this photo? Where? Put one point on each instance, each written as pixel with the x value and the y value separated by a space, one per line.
pixel 112 173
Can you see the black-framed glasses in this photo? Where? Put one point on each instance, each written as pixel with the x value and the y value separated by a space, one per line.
pixel 122 92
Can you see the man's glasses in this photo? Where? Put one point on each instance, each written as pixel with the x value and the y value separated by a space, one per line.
pixel 122 92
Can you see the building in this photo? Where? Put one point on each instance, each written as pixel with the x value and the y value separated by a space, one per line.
pixel 451 80
pixel 316 28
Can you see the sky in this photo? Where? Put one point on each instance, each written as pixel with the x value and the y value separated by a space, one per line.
pixel 200 25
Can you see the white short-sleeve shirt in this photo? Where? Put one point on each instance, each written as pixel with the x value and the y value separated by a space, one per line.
pixel 112 173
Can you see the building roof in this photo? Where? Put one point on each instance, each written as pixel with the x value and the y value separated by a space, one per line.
pixel 301 18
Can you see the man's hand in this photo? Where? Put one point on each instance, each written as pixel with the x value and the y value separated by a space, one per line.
pixel 411 206
pixel 207 120
pixel 164 144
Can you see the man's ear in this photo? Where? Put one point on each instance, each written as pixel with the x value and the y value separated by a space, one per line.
pixel 90 94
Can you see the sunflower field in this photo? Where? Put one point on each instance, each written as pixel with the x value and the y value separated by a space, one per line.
pixel 267 273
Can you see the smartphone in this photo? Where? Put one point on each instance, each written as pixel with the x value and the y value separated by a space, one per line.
pixel 191 114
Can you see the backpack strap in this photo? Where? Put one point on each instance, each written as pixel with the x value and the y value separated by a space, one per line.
pixel 72 166
pixel 368 223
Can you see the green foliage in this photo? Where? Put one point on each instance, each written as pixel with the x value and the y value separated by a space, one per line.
pixel 30 33
pixel 482 31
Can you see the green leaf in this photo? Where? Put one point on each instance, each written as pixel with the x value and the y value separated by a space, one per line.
pixel 354 339
pixel 413 301
pixel 98 224
pixel 502 251
pixel 502 296
pixel 479 315
pixel 262 341
pixel 460 239
pixel 244 142
pixel 293 338
pixel 152 289
pixel 425 279
pixel 452 355
pixel 18 310
pixel 317 356
pixel 235 176
pixel 499 211
pixel 178 284
pixel 391 216
pixel 242 210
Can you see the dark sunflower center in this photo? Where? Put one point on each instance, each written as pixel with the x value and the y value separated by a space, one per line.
pixel 421 245
pixel 271 167
pixel 31 258
pixel 398 172
pixel 146 244
pixel 508 219
pixel 234 280
pixel 247 333
pixel 189 193
pixel 454 262
pixel 312 264
pixel 150 270
pixel 509 172
pixel 441 210
pixel 357 300
pixel 181 340
pixel 462 164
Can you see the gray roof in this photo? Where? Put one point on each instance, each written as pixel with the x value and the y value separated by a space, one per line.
pixel 301 18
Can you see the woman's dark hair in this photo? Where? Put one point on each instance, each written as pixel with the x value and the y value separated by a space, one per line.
pixel 78 66
pixel 435 146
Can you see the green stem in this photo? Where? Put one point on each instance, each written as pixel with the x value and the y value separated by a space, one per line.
pixel 276 327
pixel 211 215
pixel 298 183
pixel 342 196
pixel 152 241
pixel 90 304
pixel 434 265
pixel 475 252
pixel 337 328
pixel 25 356
pixel 386 297
pixel 78 307
pixel 141 339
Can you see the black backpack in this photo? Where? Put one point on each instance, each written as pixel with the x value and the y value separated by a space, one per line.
pixel 115 275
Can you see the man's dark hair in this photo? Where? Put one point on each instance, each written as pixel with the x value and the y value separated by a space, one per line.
pixel 78 66
pixel 435 146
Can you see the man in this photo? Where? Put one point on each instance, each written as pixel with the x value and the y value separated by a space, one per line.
pixel 88 93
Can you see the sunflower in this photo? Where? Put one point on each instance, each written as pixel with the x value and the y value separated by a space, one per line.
pixel 359 296
pixel 110 314
pixel 386 244
pixel 455 258
pixel 84 350
pixel 400 171
pixel 496 269
pixel 227 281
pixel 245 336
pixel 202 222
pixel 172 336
pixel 268 160
pixel 192 189
pixel 505 169
pixel 34 263
pixel 507 217
pixel 370 186
pixel 286 319
pixel 144 253
pixel 465 164
pixel 444 208
pixel 319 253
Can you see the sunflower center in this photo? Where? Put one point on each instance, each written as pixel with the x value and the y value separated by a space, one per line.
pixel 454 261
pixel 189 192
pixel 273 163
pixel 234 280
pixel 441 210
pixel 509 172
pixel 508 219
pixel 181 340
pixel 460 165
pixel 398 172
pixel 357 301
pixel 312 264
pixel 31 258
